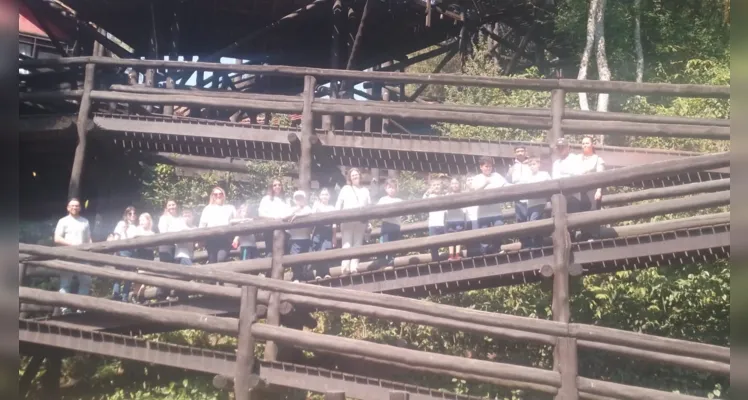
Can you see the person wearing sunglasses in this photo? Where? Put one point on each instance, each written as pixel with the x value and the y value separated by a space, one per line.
pixel 217 213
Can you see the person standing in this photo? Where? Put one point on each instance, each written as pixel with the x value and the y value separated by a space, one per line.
pixel 273 206
pixel 535 207
pixel 217 213
pixel 567 165
pixel 489 215
pixel 73 230
pixel 352 196
pixel 300 239
pixel 591 199
pixel 518 172
pixel 126 228
pixel 323 237
pixel 184 252
pixel 436 218
pixel 165 224
pixel 454 220
pixel 246 243
pixel 390 230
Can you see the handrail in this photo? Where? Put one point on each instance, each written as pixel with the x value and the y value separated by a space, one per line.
pixel 510 193
pixel 570 85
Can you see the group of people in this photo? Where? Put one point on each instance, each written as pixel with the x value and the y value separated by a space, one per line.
pixel 74 229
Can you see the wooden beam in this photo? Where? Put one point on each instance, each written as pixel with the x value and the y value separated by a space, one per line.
pixel 580 331
pixel 276 273
pixel 570 85
pixel 180 319
pixel 307 132
pixel 444 61
pixel 245 351
pixel 82 129
pixel 565 350
pixel 383 353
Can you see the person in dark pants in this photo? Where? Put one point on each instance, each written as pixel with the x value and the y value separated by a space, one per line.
pixel 390 230
pixel 566 165
pixel 454 220
pixel 489 215
pixel 301 241
pixel 591 199
pixel 436 218
pixel 518 172
pixel 535 207
pixel 273 206
pixel 324 235
pixel 217 213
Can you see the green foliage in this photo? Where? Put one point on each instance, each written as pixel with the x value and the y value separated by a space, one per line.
pixel 161 183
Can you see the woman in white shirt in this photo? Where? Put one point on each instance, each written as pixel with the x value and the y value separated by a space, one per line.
pixel 489 215
pixel 352 196
pixel 145 228
pixel 590 200
pixel 273 206
pixel 165 225
pixel 454 219
pixel 125 229
pixel 300 239
pixel 217 213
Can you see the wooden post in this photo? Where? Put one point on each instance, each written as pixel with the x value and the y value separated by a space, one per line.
pixel 565 351
pixel 558 97
pixel 82 126
pixel 276 272
pixel 337 47
pixel 245 352
pixel 173 55
pixel 307 131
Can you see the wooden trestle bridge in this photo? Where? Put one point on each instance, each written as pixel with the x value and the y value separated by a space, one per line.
pixel 103 110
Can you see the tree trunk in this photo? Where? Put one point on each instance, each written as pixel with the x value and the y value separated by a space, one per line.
pixel 585 61
pixel 638 41
pixel 603 70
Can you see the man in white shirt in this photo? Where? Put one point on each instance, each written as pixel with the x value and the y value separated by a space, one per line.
pixel 566 165
pixel 73 230
pixel 489 215
pixel 519 172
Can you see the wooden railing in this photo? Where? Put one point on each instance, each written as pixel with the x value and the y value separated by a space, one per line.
pixel 558 121
pixel 561 333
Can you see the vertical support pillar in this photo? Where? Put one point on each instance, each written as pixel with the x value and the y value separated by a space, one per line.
pixel 51 378
pixel 150 74
pixel 276 272
pixel 82 126
pixel 565 352
pixel 28 375
pixel 173 55
pixel 307 131
pixel 245 352
pixel 558 98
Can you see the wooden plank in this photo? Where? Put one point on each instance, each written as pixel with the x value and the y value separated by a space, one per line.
pixel 245 351
pixel 570 85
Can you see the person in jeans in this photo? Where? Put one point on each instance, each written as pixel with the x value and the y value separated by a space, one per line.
pixel 73 230
pixel 535 207
pixel 127 228
pixel 454 219
pixel 217 213
pixel 390 230
pixel 518 172
pixel 301 241
pixel 436 218
pixel 489 215
pixel 323 237
pixel 184 252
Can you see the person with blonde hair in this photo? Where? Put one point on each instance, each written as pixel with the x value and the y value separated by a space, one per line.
pixel 352 196
pixel 126 228
pixel 217 213
pixel 273 206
